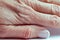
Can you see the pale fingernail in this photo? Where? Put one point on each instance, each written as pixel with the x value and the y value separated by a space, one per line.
pixel 44 34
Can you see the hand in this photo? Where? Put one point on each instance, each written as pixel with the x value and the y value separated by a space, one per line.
pixel 18 12
pixel 49 14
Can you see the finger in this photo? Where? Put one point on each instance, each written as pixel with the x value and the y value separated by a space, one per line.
pixel 44 7
pixel 52 1
pixel 24 31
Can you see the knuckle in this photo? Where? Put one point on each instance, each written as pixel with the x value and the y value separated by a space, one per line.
pixel 55 9
pixel 54 20
pixel 28 33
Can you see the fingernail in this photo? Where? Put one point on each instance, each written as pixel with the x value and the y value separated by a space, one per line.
pixel 44 34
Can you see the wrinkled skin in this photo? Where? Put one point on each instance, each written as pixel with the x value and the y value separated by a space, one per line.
pixel 27 12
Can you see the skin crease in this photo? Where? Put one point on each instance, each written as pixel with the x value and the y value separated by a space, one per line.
pixel 16 12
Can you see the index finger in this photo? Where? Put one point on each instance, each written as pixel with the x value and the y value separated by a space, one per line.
pixel 52 1
pixel 44 7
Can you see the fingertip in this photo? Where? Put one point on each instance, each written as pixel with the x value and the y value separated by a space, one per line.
pixel 44 34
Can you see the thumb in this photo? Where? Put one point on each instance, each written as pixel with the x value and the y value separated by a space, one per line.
pixel 24 31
